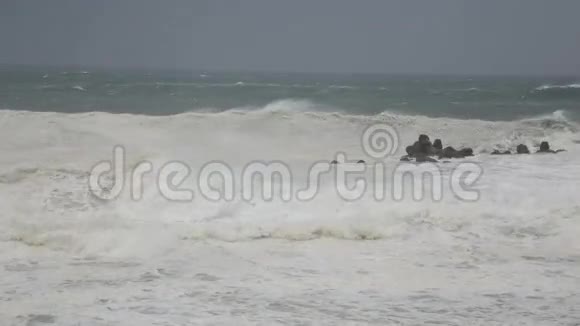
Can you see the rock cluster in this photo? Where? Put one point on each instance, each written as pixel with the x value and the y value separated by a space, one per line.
pixel 523 149
pixel 424 151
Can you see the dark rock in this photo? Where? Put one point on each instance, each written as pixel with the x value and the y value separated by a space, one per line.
pixel 423 146
pixel 334 162
pixel 361 161
pixel 466 152
pixel 410 150
pixel 424 158
pixel 437 144
pixel 544 146
pixel 405 158
pixel 522 149
pixel 496 152
pixel 416 148
pixel 448 152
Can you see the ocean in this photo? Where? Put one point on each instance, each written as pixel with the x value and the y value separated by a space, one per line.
pixel 160 92
pixel 511 256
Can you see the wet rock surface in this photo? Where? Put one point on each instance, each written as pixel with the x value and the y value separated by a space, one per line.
pixel 424 151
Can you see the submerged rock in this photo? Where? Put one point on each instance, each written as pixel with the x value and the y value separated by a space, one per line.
pixel 522 149
pixel 545 148
pixel 450 152
pixel 496 152
pixel 466 151
pixel 425 158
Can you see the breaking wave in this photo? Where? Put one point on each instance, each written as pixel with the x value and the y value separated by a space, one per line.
pixel 558 92
pixel 46 202
pixel 551 87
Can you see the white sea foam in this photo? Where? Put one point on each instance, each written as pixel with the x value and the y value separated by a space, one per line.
pixel 549 87
pixel 284 130
pixel 183 262
pixel 342 87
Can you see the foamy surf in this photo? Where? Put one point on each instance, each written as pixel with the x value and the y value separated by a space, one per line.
pixel 126 261
pixel 277 132
pixel 548 87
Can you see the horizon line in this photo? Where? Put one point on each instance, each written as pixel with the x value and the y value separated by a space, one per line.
pixel 282 71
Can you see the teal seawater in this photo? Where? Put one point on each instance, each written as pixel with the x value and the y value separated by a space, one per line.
pixel 157 92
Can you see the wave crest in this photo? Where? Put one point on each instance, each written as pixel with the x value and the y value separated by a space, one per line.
pixel 552 87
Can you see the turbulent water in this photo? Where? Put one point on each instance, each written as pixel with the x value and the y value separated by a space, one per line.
pixel 165 92
pixel 512 257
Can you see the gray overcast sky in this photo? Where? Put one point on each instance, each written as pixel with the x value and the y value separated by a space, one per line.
pixel 387 36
